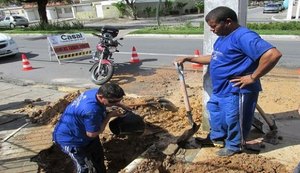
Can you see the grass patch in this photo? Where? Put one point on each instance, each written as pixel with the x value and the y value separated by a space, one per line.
pixel 169 30
pixel 290 26
pixel 277 32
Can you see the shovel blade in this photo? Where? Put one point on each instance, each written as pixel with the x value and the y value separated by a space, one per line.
pixel 186 135
pixel 271 137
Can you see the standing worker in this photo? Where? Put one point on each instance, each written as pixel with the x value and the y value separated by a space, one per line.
pixel 77 132
pixel 239 59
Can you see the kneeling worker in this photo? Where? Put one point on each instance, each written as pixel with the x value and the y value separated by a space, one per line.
pixel 77 132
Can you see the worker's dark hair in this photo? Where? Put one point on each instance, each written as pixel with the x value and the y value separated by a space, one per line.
pixel 220 14
pixel 111 90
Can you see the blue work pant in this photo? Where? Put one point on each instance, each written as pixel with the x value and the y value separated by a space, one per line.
pixel 88 159
pixel 231 118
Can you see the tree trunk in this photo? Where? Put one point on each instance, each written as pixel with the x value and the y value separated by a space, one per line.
pixel 42 11
pixel 157 13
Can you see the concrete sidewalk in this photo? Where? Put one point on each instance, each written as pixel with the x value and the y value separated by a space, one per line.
pixel 20 139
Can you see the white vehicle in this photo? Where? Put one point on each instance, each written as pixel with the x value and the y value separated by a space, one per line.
pixel 13 21
pixel 271 8
pixel 8 46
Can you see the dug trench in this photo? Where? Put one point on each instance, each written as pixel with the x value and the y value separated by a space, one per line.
pixel 163 127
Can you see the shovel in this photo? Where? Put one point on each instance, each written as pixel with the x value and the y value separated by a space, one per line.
pixel 181 141
pixel 270 137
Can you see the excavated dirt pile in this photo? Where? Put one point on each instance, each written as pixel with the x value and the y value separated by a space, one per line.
pixel 162 128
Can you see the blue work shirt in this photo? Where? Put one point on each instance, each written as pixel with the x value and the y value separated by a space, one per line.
pixel 236 54
pixel 84 114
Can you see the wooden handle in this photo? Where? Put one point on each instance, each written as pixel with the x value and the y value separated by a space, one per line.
pixel 183 86
pixel 270 122
pixel 185 95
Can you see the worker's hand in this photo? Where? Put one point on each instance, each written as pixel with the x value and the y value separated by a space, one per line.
pixel 242 81
pixel 116 113
pixel 126 108
pixel 180 60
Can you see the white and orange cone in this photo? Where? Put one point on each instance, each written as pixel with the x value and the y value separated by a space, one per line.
pixel 134 56
pixel 26 63
pixel 196 65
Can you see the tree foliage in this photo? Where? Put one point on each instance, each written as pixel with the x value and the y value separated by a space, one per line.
pixel 200 6
pixel 132 7
pixel 121 6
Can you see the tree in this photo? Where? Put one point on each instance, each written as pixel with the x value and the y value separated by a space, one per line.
pixel 42 4
pixel 180 5
pixel 200 6
pixel 131 5
pixel 157 13
pixel 121 7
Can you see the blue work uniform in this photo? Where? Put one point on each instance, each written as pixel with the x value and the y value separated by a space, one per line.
pixel 84 114
pixel 231 108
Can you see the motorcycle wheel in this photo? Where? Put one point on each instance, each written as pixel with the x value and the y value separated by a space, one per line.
pixel 104 75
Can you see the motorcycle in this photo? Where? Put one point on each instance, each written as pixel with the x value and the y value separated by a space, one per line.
pixel 103 67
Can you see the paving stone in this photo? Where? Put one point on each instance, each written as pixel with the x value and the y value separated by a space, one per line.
pixel 16 151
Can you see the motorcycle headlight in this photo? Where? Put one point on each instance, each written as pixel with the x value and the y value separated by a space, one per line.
pixel 112 49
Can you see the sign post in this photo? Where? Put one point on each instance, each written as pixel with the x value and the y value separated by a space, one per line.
pixel 68 46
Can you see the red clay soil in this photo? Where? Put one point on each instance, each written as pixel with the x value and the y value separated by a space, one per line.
pixel 162 128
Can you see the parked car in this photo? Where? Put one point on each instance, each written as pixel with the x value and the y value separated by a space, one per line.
pixel 13 21
pixel 8 46
pixel 271 8
pixel 280 6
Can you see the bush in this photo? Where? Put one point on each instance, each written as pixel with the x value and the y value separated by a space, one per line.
pixel 275 26
pixel 121 7
pixel 174 12
pixel 148 11
pixel 53 26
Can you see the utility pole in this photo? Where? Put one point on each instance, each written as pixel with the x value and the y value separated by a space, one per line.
pixel 298 10
pixel 290 10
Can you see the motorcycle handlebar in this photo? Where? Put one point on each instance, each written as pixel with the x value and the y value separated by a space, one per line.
pixel 97 35
pixel 109 41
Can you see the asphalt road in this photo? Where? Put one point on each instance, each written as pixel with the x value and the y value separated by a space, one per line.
pixel 154 52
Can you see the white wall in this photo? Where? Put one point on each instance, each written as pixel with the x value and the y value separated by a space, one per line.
pixel 84 11
pixel 51 13
pixel 105 9
pixel 64 12
pixel 31 15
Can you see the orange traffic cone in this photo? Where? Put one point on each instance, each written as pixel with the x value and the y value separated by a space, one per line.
pixel 196 65
pixel 26 63
pixel 134 56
